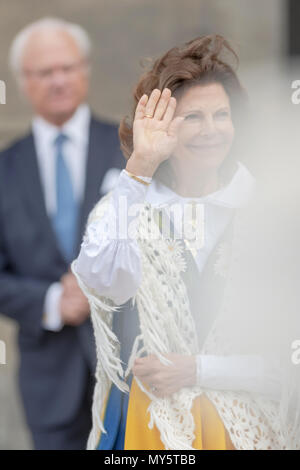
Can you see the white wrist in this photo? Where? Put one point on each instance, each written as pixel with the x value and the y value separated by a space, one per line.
pixel 146 179
pixel 52 320
pixel 198 370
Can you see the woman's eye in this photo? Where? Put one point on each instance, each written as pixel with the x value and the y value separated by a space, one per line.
pixel 191 117
pixel 222 114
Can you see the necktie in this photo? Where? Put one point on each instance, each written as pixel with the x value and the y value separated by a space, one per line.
pixel 66 216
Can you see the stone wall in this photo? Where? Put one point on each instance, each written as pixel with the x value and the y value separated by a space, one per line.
pixel 124 32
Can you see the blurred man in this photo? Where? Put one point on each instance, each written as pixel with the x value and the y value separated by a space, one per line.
pixel 50 180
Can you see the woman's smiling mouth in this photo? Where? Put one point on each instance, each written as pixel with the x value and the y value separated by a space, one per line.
pixel 204 146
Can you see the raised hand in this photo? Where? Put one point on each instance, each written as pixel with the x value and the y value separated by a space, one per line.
pixel 154 132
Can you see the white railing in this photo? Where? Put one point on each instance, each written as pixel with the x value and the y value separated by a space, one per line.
pixel 2 352
pixel 2 92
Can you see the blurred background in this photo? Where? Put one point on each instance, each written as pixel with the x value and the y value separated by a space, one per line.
pixel 123 34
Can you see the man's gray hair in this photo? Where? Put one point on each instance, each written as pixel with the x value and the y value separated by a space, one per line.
pixel 52 24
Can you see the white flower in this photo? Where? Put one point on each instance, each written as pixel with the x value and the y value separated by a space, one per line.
pixel 222 263
pixel 176 250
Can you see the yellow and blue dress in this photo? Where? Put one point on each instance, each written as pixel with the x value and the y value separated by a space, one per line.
pixel 126 422
pixel 126 418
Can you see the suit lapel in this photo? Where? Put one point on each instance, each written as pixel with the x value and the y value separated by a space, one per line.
pixel 29 181
pixel 205 290
pixel 97 164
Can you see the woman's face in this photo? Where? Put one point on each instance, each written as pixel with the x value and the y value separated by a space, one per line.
pixel 206 134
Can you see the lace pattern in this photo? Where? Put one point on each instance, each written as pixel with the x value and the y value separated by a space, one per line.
pixel 167 326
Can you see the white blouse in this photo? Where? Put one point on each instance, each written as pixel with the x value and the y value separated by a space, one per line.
pixel 109 262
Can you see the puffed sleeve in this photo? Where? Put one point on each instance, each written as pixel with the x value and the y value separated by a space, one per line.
pixel 109 259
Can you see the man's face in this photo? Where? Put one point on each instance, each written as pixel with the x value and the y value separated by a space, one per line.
pixel 54 75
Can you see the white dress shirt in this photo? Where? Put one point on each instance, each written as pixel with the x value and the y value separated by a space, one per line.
pixel 75 153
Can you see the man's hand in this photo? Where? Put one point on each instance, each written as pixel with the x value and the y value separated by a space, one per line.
pixel 74 306
pixel 166 380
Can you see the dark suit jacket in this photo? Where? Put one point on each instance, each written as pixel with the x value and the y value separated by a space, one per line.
pixel 55 366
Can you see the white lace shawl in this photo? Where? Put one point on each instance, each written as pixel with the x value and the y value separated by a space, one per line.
pixel 167 325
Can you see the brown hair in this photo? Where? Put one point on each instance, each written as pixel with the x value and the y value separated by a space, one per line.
pixel 200 61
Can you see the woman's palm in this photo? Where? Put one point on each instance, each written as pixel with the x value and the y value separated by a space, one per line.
pixel 151 137
pixel 155 129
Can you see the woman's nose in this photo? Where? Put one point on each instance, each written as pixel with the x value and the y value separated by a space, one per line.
pixel 207 127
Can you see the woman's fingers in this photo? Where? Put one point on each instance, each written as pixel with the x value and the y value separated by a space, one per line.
pixel 162 104
pixel 141 106
pixel 170 111
pixel 145 367
pixel 174 126
pixel 152 102
pixel 141 371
